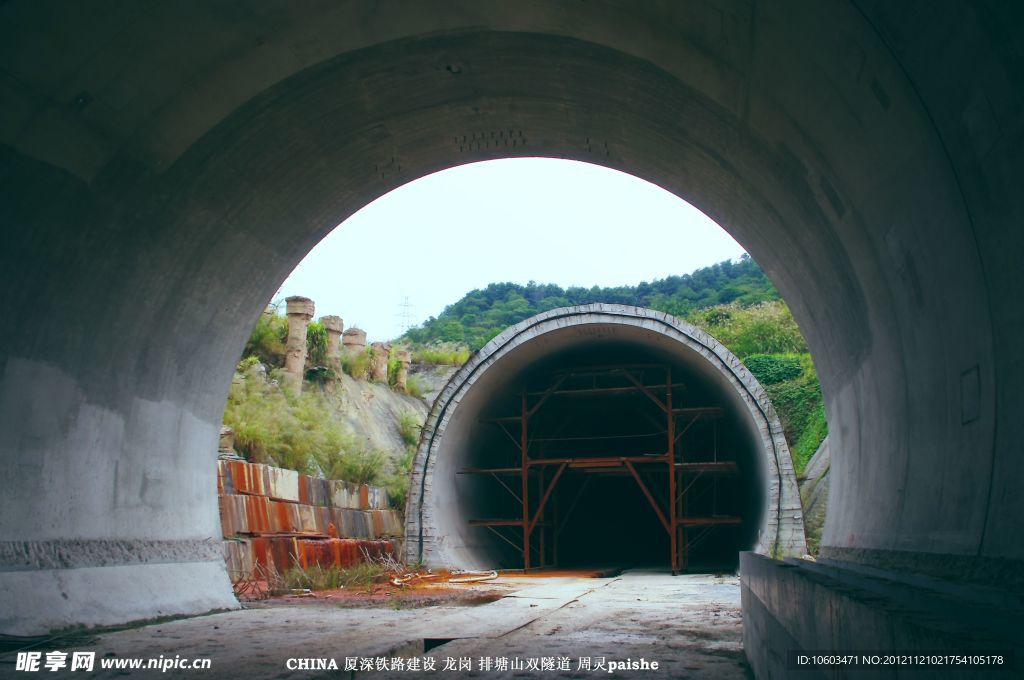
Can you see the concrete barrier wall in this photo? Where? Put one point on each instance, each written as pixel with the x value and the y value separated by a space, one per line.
pixel 838 609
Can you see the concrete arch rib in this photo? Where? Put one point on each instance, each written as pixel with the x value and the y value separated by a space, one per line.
pixel 431 521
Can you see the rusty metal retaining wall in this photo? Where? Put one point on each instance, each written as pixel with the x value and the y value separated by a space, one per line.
pixel 271 516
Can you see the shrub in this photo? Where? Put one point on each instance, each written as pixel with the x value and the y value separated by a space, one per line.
pixel 397 483
pixel 356 364
pixel 442 354
pixel 801 411
pixel 268 338
pixel 321 375
pixel 355 463
pixel 774 368
pixel 394 366
pixel 766 328
pixel 810 439
pixel 360 576
pixel 245 364
pixel 414 387
pixel 316 345
pixel 409 425
pixel 272 426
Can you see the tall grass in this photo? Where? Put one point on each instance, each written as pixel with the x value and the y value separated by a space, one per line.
pixel 397 482
pixel 360 576
pixel 409 425
pixel 766 328
pixel 356 464
pixel 298 432
pixel 316 344
pixel 441 354
pixel 414 387
pixel 766 338
pixel 268 337
pixel 356 364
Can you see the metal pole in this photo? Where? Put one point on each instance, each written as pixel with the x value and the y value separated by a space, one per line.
pixel 674 515
pixel 526 482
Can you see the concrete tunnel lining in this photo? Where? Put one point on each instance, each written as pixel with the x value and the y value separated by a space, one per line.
pixel 437 530
pixel 868 155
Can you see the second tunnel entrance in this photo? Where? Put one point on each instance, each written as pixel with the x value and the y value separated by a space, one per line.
pixel 603 436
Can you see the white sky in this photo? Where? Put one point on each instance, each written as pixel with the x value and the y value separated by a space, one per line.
pixel 550 221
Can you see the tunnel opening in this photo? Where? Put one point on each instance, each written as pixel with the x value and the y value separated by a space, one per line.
pixel 601 444
pixel 600 425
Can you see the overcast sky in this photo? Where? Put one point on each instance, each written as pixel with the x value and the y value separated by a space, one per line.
pixel 527 219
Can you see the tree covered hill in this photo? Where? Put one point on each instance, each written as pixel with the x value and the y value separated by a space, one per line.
pixel 482 314
pixel 733 301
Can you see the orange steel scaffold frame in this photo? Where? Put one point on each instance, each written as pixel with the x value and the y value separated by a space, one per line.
pixel 681 475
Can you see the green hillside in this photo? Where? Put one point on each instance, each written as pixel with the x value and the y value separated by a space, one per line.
pixel 482 314
pixel 733 301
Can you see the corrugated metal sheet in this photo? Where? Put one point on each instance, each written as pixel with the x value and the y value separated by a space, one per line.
pixel 257 514
pixel 344 494
pixel 324 518
pixel 245 515
pixel 307 520
pixel 314 490
pixel 232 516
pixel 350 523
pixel 224 485
pixel 281 484
pixel 285 552
pixel 247 477
pixel 287 517
pixel 238 557
pixel 386 523
pixel 377 497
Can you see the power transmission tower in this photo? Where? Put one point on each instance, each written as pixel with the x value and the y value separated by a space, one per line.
pixel 405 314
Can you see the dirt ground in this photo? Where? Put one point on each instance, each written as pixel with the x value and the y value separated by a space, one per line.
pixel 564 625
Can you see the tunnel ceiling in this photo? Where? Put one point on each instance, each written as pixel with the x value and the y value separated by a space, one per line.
pixel 166 166
pixel 597 384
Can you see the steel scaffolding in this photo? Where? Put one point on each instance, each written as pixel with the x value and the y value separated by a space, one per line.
pixel 539 526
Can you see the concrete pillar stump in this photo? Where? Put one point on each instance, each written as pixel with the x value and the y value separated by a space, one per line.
pixel 300 311
pixel 334 327
pixel 353 340
pixel 379 362
pixel 404 359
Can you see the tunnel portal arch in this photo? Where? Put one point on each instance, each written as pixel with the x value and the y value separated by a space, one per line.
pixel 599 337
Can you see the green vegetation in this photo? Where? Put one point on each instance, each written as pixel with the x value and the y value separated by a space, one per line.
pixel 316 344
pixel 356 364
pixel 357 465
pixel 442 353
pixel 768 342
pixel 360 576
pixel 267 340
pixel 482 314
pixel 414 387
pixel 774 368
pixel 273 426
pixel 304 433
pixel 299 432
pixel 764 328
pixel 397 482
pixel 409 425
pixel 270 334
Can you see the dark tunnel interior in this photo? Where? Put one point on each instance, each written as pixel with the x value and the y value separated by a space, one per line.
pixel 592 406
